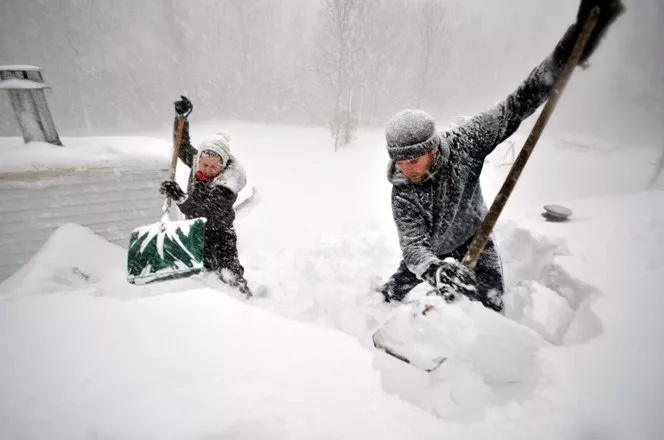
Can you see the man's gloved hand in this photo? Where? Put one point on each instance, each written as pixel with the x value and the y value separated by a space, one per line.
pixel 610 10
pixel 451 278
pixel 183 107
pixel 172 190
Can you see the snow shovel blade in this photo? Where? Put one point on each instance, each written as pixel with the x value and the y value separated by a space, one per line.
pixel 166 251
pixel 413 335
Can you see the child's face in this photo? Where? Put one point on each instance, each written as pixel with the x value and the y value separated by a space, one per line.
pixel 210 166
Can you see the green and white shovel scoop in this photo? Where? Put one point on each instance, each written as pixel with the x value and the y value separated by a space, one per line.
pixel 168 249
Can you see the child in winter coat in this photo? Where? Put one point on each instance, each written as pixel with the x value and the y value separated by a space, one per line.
pixel 215 180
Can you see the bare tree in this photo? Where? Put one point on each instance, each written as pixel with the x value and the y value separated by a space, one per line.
pixel 431 27
pixel 389 64
pixel 341 49
pixel 659 168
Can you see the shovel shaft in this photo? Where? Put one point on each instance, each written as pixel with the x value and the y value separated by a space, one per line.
pixel 174 158
pixel 484 232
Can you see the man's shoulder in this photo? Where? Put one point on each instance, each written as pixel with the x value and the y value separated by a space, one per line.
pixel 454 139
pixel 459 145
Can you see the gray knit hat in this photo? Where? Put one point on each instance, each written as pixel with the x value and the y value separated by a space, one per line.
pixel 410 134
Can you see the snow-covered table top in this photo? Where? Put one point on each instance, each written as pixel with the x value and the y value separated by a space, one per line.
pixel 24 67
pixel 25 84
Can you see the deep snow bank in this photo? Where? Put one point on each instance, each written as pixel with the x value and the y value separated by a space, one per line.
pixel 192 364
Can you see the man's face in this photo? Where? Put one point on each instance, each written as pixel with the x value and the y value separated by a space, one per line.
pixel 417 169
pixel 209 165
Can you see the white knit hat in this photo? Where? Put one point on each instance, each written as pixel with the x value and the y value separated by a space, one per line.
pixel 219 144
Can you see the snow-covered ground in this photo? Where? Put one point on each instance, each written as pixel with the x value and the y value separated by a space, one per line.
pixel 578 355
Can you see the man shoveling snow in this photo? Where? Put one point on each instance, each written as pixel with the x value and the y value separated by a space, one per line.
pixel 437 201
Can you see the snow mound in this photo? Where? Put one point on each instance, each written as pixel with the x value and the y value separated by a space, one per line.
pixel 332 282
pixel 146 369
pixel 541 293
pixel 497 355
pixel 97 267
pixel 540 309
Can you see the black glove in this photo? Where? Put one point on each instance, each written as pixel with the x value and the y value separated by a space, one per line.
pixel 183 107
pixel 451 278
pixel 172 190
pixel 610 10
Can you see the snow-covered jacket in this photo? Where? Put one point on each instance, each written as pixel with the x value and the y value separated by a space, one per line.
pixel 446 209
pixel 214 199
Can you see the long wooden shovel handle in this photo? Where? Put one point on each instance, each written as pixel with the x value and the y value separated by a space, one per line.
pixel 484 232
pixel 174 158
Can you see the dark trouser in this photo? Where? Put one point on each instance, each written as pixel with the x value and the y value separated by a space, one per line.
pixel 488 272
pixel 221 254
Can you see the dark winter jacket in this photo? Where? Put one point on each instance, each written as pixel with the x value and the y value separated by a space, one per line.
pixel 214 199
pixel 443 212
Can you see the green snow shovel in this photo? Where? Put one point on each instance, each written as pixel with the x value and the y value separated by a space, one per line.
pixel 421 332
pixel 169 249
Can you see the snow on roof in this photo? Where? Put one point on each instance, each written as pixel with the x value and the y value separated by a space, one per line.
pixel 20 67
pixel 84 153
pixel 18 83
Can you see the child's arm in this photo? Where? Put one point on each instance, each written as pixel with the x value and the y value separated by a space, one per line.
pixel 187 151
pixel 183 109
pixel 213 203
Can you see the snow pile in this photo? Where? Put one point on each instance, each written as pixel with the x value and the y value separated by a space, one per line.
pixel 95 267
pixel 81 153
pixel 540 309
pixel 498 349
pixel 193 365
